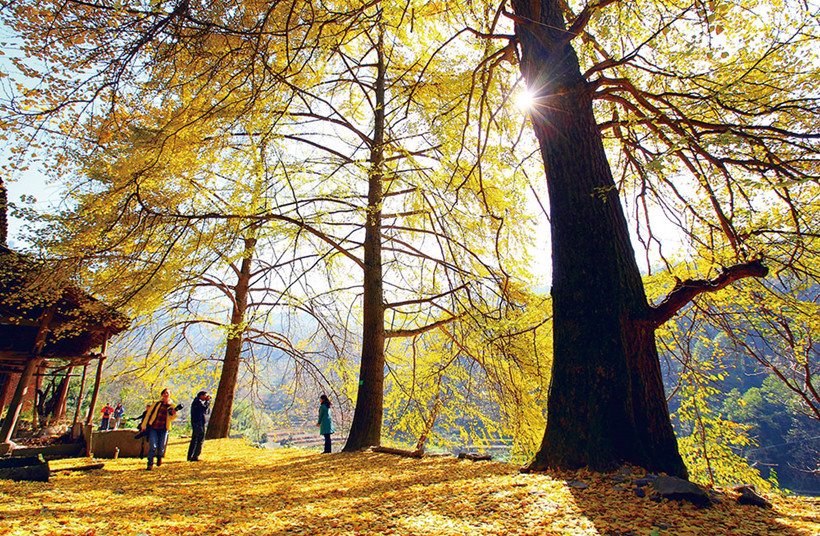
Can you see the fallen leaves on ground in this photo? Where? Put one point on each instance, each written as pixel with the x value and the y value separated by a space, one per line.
pixel 238 489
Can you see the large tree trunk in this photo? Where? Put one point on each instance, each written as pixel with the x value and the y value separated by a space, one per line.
pixel 219 425
pixel 606 403
pixel 366 428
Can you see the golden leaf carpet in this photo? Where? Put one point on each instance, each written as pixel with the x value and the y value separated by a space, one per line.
pixel 238 489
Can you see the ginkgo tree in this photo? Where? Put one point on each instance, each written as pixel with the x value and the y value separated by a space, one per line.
pixel 171 267
pixel 708 115
pixel 156 78
pixel 704 111
pixel 425 260
pixel 378 113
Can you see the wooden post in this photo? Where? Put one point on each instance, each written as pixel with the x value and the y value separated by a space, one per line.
pixel 5 388
pixel 38 398
pixel 32 364
pixel 62 396
pixel 97 379
pixel 80 396
pixel 10 422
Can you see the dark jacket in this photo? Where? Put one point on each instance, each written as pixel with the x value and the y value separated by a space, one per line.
pixel 198 411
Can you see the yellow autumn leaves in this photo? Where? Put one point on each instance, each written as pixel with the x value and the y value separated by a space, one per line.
pixel 239 489
pixel 243 490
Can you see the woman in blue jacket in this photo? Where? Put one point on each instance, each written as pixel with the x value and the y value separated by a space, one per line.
pixel 325 423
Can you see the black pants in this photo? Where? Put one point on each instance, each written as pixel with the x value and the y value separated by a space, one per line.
pixel 197 437
pixel 327 444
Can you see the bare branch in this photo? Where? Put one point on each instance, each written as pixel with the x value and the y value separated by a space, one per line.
pixel 686 291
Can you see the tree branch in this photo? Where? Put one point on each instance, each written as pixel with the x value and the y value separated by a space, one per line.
pixel 686 291
pixel 389 334
pixel 580 22
pixel 429 299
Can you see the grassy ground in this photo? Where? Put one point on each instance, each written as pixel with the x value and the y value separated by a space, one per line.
pixel 238 489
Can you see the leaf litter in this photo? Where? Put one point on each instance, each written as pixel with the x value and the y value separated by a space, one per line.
pixel 241 490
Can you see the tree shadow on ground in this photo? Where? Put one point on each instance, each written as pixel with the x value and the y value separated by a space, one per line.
pixel 238 489
pixel 620 506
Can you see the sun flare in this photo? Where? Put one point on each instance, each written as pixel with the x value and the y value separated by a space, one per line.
pixel 525 100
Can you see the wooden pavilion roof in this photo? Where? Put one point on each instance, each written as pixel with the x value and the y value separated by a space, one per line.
pixel 29 290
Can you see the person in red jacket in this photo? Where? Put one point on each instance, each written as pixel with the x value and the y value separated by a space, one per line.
pixel 106 416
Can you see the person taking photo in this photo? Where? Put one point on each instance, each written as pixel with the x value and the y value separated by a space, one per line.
pixel 199 408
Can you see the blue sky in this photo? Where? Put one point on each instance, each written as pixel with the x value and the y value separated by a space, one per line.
pixel 30 183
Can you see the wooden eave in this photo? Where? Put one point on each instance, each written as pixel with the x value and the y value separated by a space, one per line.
pixel 78 321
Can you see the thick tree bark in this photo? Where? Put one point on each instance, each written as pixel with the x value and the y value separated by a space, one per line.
pixel 219 425
pixel 366 428
pixel 606 403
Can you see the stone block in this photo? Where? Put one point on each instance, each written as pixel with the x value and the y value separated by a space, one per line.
pixel 105 444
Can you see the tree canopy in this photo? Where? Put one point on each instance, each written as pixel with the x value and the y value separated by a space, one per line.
pixel 315 141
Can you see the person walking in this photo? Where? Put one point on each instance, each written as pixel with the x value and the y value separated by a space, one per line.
pixel 325 423
pixel 106 417
pixel 141 435
pixel 157 422
pixel 143 414
pixel 119 411
pixel 199 408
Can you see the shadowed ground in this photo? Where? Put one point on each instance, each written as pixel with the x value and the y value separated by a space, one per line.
pixel 239 489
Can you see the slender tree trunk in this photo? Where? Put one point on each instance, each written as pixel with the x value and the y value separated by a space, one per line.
pixel 80 395
pixel 606 403
pixel 219 425
pixel 58 412
pixel 366 428
pixel 96 390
